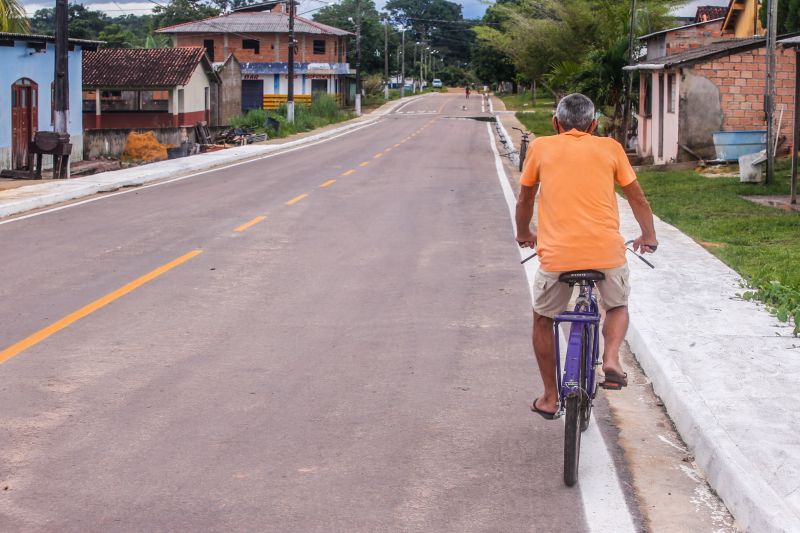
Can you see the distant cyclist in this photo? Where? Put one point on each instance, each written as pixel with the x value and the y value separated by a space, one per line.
pixel 578 229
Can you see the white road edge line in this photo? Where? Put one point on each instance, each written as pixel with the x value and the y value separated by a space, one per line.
pixel 604 505
pixel 409 102
pixel 181 178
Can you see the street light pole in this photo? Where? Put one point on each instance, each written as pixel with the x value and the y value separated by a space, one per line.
pixel 403 65
pixel 358 58
pixel 386 59
pixel 290 73
pixel 628 88
pixel 769 101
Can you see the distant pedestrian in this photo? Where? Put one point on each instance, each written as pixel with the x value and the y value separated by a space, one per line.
pixel 467 92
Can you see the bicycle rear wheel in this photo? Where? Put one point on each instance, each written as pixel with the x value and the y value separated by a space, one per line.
pixel 523 151
pixel 575 414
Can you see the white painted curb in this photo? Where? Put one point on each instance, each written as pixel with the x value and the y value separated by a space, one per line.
pixel 37 196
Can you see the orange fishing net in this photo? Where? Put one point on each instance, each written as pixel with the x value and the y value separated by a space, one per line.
pixel 144 147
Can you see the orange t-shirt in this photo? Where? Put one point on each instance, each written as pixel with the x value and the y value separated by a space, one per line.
pixel 578 221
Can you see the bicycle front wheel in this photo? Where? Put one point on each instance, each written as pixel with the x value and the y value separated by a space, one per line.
pixel 572 439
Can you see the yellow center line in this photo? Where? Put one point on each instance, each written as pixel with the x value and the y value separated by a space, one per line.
pixel 397 145
pixel 52 329
pixel 248 225
pixel 327 183
pixel 387 150
pixel 348 172
pixel 296 199
pixel 365 163
pixel 377 156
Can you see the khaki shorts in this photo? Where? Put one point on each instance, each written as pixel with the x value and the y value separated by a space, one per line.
pixel 551 297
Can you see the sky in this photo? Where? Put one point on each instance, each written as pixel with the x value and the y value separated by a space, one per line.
pixel 472 8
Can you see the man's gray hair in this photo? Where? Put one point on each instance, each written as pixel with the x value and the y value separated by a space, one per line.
pixel 575 111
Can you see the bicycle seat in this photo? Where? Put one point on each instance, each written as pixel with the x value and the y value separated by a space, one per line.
pixel 577 276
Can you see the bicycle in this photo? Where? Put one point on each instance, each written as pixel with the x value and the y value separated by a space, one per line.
pixel 577 385
pixel 523 146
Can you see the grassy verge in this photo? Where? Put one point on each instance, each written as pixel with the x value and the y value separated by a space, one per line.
pixel 760 243
pixel 538 119
pixel 323 111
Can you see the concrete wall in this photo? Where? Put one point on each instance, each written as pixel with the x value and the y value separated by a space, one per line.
pixel 230 92
pixel 111 142
pixel 19 61
pixel 194 91
pixel 700 115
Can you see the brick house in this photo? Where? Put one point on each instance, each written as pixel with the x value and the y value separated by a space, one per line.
pixel 676 40
pixel 148 88
pixel 258 36
pixel 684 98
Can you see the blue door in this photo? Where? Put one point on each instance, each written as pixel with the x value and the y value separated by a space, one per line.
pixel 252 95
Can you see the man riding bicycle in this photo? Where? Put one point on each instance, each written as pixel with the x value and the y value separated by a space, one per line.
pixel 574 173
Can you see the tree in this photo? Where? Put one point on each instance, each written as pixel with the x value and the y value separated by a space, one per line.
pixel 180 11
pixel 12 17
pixel 788 15
pixel 343 16
pixel 439 24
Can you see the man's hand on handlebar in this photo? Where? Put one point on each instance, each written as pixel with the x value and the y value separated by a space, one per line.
pixel 526 239
pixel 645 245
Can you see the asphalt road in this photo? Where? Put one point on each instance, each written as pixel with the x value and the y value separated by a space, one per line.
pixel 356 360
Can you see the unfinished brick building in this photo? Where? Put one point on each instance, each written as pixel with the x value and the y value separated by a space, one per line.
pixel 258 36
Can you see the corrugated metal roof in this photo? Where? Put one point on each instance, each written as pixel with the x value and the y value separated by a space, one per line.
pixel 47 38
pixel 142 67
pixel 249 23
pixel 704 53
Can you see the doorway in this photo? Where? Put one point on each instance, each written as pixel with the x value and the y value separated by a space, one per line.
pixel 319 86
pixel 24 120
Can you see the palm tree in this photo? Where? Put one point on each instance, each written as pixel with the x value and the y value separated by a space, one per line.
pixel 13 17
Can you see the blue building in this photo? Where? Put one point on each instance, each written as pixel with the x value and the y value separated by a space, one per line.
pixel 26 94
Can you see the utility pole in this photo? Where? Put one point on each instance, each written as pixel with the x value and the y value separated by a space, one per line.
pixel 769 98
pixel 61 78
pixel 628 89
pixel 290 91
pixel 403 65
pixel 358 58
pixel 386 59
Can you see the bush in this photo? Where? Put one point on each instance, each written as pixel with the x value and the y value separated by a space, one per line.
pixel 372 85
pixel 323 111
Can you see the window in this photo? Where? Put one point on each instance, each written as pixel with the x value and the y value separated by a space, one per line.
pixel 208 44
pixel 670 91
pixel 154 100
pixel 89 102
pixel 319 47
pixel 252 44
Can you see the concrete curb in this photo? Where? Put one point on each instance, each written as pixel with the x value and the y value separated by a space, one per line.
pixel 692 400
pixel 37 196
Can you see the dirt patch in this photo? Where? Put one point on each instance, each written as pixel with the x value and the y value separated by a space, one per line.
pixel 778 202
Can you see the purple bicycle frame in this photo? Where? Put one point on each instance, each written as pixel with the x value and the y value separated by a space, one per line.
pixel 569 382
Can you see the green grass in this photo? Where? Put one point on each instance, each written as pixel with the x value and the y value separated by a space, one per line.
pixel 323 111
pixel 760 243
pixel 538 119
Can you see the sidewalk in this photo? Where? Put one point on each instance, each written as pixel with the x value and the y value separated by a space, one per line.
pixel 37 195
pixel 726 370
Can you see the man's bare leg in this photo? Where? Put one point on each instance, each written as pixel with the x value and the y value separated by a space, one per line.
pixel 614 330
pixel 544 348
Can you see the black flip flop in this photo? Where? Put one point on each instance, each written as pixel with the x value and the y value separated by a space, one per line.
pixel 543 414
pixel 615 380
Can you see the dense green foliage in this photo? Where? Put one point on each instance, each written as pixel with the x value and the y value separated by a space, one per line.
pixel 759 242
pixel 12 16
pixel 567 45
pixel 788 15
pixel 124 31
pixel 343 15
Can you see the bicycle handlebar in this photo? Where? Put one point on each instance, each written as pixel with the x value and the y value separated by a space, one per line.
pixel 646 262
